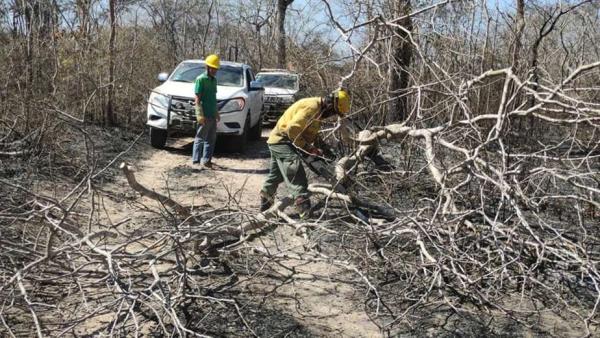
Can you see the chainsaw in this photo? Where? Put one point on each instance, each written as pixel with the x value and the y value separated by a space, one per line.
pixel 323 166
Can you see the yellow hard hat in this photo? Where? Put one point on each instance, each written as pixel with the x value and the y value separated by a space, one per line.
pixel 213 61
pixel 343 101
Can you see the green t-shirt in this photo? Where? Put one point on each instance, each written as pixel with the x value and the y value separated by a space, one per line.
pixel 206 89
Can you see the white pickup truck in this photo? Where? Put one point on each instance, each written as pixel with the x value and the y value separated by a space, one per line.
pixel 239 101
pixel 281 90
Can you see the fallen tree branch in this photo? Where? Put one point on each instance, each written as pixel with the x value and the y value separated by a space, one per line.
pixel 164 200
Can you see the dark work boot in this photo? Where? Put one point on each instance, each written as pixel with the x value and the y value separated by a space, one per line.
pixel 302 204
pixel 266 201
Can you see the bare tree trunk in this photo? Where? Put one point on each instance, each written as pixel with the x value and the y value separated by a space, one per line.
pixel 517 45
pixel 206 30
pixel 110 117
pixel 257 20
pixel 282 6
pixel 258 24
pixel 130 78
pixel 373 31
pixel 29 66
pixel 400 62
pixel 533 64
pixel 85 26
pixel 549 24
pixel 258 43
pixel 185 35
pixel 83 12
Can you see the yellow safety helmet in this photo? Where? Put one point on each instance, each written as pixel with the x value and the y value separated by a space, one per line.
pixel 213 61
pixel 343 101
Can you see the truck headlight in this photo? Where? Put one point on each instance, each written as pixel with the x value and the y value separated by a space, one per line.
pixel 158 100
pixel 233 105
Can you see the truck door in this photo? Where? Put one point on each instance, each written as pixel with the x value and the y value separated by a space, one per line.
pixel 255 98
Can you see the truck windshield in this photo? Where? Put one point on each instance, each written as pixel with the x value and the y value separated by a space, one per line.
pixel 228 76
pixel 278 81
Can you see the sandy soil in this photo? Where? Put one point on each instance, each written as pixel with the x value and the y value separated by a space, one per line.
pixel 313 294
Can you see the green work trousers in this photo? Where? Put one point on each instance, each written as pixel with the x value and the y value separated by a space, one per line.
pixel 286 166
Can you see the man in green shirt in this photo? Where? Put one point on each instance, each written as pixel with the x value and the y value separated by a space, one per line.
pixel 207 114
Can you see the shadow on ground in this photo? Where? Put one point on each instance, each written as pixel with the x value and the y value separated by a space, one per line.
pixel 222 156
pixel 253 149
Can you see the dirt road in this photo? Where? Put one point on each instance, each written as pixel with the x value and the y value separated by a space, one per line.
pixel 312 292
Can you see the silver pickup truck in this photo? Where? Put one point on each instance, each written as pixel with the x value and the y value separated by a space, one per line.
pixel 281 90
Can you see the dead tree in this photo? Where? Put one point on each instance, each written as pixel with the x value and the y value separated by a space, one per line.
pixel 110 113
pixel 282 6
pixel 258 16
pixel 400 58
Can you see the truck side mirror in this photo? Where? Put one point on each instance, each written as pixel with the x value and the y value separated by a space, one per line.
pixel 162 77
pixel 255 85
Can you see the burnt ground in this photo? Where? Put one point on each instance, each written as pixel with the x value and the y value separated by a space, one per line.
pixel 293 297
pixel 289 291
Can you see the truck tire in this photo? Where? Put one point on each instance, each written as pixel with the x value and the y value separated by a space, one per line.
pixel 158 138
pixel 237 143
pixel 255 132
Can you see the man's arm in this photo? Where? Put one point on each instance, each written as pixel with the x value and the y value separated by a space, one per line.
pixel 198 102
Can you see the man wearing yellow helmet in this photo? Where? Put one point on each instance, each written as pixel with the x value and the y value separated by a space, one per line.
pixel 207 114
pixel 297 129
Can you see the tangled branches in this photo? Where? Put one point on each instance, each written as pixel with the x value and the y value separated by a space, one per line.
pixel 513 227
pixel 481 226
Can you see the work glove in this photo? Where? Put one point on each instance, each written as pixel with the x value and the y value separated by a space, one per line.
pixel 199 114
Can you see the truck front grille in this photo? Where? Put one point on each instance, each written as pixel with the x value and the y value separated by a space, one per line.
pixel 275 99
pixel 183 106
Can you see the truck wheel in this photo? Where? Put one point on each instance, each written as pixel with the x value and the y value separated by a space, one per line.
pixel 158 137
pixel 237 143
pixel 255 132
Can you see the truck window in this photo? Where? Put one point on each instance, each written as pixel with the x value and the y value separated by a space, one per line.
pixel 249 77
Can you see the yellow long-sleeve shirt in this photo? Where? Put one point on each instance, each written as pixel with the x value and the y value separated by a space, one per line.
pixel 298 124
